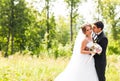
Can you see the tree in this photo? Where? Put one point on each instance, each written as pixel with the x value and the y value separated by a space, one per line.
pixel 109 10
pixel 14 22
pixel 73 4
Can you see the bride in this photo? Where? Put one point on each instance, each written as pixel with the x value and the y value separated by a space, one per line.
pixel 78 69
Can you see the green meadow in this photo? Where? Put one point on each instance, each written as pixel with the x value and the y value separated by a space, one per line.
pixel 26 68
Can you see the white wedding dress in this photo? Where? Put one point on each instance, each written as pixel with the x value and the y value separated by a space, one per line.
pixel 78 69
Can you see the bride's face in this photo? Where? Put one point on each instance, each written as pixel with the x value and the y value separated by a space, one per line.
pixel 88 31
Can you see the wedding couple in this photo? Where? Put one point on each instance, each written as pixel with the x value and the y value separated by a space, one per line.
pixel 78 69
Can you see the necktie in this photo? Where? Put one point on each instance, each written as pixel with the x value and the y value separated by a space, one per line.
pixel 95 37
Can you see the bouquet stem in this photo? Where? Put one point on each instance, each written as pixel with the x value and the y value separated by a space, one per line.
pixel 90 58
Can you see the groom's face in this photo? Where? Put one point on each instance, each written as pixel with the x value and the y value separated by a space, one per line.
pixel 96 29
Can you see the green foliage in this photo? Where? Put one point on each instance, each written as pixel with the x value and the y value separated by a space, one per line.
pixel 24 29
pixel 59 50
pixel 63 30
pixel 14 19
pixel 109 10
pixel 113 47
pixel 74 3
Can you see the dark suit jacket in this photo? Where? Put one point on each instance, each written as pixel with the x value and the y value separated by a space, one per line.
pixel 100 60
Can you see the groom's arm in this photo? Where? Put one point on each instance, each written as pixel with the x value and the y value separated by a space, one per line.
pixel 103 44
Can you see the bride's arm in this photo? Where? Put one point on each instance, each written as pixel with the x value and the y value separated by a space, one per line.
pixel 83 48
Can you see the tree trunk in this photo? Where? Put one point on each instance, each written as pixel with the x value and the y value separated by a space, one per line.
pixel 98 8
pixel 48 24
pixel 7 43
pixel 114 31
pixel 71 22
pixel 12 25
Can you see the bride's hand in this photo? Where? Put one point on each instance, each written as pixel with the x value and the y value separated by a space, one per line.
pixel 92 52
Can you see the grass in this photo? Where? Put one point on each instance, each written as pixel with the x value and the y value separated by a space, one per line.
pixel 26 68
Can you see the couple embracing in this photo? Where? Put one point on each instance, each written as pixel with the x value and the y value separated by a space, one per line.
pixel 78 69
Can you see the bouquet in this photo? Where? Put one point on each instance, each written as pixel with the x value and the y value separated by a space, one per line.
pixel 95 48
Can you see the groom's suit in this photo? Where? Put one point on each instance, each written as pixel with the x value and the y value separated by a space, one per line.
pixel 100 60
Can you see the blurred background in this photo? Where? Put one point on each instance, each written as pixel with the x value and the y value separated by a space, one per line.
pixel 50 26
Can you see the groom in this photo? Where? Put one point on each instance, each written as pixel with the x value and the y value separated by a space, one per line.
pixel 100 60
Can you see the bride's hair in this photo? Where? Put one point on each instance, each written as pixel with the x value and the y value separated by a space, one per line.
pixel 84 27
pixel 79 39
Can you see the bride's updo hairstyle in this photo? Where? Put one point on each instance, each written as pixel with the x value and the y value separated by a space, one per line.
pixel 84 27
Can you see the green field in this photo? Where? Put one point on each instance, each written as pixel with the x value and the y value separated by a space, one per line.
pixel 27 68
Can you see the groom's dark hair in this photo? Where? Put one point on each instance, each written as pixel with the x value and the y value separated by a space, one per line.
pixel 99 24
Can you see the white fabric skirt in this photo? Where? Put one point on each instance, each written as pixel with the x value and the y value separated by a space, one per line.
pixel 78 69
